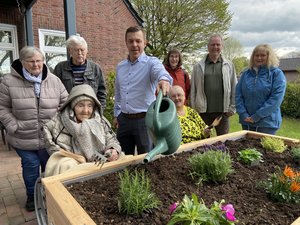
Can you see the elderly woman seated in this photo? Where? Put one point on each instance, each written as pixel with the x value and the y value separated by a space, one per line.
pixel 79 133
pixel 192 126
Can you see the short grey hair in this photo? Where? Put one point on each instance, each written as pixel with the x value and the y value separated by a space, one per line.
pixel 215 35
pixel 29 51
pixel 75 40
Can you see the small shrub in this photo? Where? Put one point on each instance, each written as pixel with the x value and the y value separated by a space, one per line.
pixel 249 156
pixel 273 144
pixel 291 104
pixel 219 146
pixel 296 154
pixel 284 186
pixel 110 93
pixel 135 195
pixel 211 166
pixel 193 211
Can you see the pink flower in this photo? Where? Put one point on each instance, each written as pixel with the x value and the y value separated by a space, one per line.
pixel 229 212
pixel 173 207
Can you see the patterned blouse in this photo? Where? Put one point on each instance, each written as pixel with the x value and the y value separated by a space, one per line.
pixel 192 126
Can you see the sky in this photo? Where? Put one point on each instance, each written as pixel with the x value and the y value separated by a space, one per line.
pixel 274 22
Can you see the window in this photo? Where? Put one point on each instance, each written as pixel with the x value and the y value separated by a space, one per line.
pixel 53 44
pixel 8 47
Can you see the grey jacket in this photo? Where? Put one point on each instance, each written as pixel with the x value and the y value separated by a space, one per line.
pixel 93 76
pixel 198 99
pixel 57 136
pixel 22 113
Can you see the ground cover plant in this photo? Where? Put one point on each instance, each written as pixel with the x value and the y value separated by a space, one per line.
pixel 170 181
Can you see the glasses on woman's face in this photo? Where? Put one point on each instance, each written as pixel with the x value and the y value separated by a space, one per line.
pixel 34 61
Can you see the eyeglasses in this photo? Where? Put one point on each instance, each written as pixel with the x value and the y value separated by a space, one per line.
pixel 34 61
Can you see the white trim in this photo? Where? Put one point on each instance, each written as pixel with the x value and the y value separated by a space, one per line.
pixel 10 46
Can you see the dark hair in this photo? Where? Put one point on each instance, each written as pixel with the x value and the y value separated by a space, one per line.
pixel 133 30
pixel 173 51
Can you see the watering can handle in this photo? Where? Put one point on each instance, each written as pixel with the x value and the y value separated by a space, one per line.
pixel 157 124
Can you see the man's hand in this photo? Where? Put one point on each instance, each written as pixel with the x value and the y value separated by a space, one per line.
pixel 111 154
pixel 115 123
pixel 249 120
pixel 163 85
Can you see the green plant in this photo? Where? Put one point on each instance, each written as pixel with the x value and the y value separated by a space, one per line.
pixel 291 103
pixel 135 195
pixel 284 186
pixel 296 154
pixel 273 144
pixel 210 166
pixel 110 93
pixel 248 156
pixel 192 211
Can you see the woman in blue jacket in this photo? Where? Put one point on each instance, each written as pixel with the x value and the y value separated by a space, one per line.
pixel 260 92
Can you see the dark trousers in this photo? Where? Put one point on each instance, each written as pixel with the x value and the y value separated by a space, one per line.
pixel 266 130
pixel 32 162
pixel 222 128
pixel 133 133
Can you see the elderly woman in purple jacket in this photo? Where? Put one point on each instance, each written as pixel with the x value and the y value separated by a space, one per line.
pixel 260 92
pixel 30 96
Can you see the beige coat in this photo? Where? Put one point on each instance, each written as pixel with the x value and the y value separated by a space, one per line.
pixel 22 113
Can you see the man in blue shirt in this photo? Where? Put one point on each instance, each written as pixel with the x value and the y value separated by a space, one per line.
pixel 138 77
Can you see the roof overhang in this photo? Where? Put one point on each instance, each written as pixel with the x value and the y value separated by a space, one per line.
pixel 18 3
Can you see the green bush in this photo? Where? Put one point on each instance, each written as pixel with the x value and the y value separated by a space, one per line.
pixel 211 166
pixel 291 104
pixel 135 195
pixel 110 96
pixel 273 144
pixel 296 154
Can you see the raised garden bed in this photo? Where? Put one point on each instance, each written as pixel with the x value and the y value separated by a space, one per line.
pixel 95 200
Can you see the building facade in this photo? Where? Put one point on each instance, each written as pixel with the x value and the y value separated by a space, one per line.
pixel 44 23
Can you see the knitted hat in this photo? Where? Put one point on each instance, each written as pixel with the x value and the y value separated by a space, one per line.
pixel 79 99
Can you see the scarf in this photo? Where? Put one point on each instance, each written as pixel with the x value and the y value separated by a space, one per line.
pixel 87 136
pixel 33 79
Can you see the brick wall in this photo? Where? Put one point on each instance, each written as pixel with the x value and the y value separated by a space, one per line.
pixel 101 22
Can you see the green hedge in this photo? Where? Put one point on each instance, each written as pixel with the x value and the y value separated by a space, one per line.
pixel 291 102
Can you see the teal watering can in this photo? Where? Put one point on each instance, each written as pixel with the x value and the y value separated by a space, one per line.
pixel 164 127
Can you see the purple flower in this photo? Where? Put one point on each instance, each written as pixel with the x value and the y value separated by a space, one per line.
pixel 229 212
pixel 173 207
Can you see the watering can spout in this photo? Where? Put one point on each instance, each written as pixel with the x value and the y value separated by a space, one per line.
pixel 160 148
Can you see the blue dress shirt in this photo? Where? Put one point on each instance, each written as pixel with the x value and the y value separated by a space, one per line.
pixel 136 84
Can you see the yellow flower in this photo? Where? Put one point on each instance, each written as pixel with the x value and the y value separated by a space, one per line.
pixel 295 186
pixel 288 172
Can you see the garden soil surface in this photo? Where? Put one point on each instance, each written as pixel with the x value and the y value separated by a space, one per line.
pixel 170 181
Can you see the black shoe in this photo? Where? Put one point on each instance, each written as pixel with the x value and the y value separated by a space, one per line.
pixel 30 204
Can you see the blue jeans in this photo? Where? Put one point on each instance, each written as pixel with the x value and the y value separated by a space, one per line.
pixel 31 162
pixel 266 130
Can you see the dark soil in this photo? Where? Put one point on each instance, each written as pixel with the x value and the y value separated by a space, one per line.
pixel 170 181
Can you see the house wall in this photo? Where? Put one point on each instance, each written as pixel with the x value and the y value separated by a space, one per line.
pixel 291 75
pixel 12 16
pixel 101 22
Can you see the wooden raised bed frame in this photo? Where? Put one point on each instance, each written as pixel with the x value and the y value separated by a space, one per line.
pixel 62 208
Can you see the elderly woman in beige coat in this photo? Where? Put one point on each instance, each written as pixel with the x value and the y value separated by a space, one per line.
pixel 79 133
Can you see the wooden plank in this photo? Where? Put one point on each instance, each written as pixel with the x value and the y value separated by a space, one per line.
pixel 296 222
pixel 62 208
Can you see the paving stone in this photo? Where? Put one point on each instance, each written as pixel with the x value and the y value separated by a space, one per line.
pixel 9 200
pixel 17 220
pixel 4 219
pixel 13 210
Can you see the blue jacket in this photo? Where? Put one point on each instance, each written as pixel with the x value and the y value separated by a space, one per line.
pixel 259 96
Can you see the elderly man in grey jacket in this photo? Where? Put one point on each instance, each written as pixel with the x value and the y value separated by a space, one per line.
pixel 213 86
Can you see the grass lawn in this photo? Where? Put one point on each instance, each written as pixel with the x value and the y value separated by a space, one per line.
pixel 289 127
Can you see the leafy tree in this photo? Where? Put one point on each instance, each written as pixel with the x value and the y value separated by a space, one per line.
pixel 240 63
pixel 232 48
pixel 184 24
